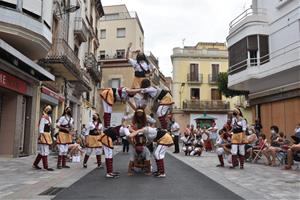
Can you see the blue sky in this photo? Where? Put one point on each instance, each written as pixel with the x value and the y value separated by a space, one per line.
pixel 167 22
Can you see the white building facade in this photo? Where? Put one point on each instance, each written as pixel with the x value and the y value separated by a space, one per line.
pixel 264 59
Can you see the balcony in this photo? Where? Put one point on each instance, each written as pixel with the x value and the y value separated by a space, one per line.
pixel 92 66
pixel 26 27
pixel 198 105
pixel 63 62
pixel 80 29
pixel 194 78
pixel 155 79
pixel 199 53
pixel 212 79
pixel 252 21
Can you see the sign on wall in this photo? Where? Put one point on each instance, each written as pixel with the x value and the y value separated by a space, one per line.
pixel 13 83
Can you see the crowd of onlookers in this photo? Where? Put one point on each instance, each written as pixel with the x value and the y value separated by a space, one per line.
pixel 277 149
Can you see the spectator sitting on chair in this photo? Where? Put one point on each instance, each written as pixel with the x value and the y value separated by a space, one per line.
pixel 295 148
pixel 267 153
pixel 261 145
pixel 75 148
pixel 252 140
pixel 281 144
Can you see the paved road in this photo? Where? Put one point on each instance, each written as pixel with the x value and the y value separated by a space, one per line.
pixel 182 182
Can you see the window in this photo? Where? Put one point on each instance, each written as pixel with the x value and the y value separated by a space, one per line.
pixel 121 32
pixel 102 33
pixel 112 16
pixel 214 72
pixel 252 46
pixel 215 94
pixel 195 93
pixel 115 83
pixel 76 50
pixel 264 49
pixel 102 55
pixel 194 75
pixel 121 53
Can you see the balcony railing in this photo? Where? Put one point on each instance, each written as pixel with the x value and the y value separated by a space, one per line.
pixel 212 78
pixel 187 53
pixel 245 14
pixel 63 58
pixel 80 29
pixel 249 62
pixel 155 79
pixel 198 105
pixel 194 78
pixel 92 66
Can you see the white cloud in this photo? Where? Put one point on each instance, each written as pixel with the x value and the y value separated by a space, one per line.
pixel 167 22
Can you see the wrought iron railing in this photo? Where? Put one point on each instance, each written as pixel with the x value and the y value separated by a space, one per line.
pixel 199 105
pixel 194 78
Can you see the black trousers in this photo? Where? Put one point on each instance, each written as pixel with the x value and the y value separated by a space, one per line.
pixel 176 144
pixel 125 145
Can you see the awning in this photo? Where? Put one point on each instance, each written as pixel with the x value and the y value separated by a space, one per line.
pixel 20 61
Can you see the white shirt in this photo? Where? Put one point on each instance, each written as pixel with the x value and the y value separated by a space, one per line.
pixel 43 122
pixel 137 66
pixel 175 129
pixel 64 120
pixel 92 126
pixel 152 91
pixel 241 123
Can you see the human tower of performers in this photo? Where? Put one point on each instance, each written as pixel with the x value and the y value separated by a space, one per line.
pixel 139 128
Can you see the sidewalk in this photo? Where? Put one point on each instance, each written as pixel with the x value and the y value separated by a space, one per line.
pixel 256 181
pixel 19 181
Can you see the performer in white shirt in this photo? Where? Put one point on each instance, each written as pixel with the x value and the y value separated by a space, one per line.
pixel 175 131
pixel 44 140
pixel 162 97
pixel 92 140
pixel 65 125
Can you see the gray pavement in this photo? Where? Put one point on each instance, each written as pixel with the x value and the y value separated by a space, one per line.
pixel 182 182
pixel 256 181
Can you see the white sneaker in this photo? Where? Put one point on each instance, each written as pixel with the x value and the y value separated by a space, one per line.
pixel 110 175
pixel 160 176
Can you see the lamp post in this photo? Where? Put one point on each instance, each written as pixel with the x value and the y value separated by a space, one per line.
pixel 180 93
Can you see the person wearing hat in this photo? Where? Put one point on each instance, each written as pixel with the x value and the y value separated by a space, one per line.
pixel 92 136
pixel 163 140
pixel 44 139
pixel 111 95
pixel 142 68
pixel 65 125
pixel 238 139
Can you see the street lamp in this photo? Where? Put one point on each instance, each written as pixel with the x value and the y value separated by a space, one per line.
pixel 180 92
pixel 70 9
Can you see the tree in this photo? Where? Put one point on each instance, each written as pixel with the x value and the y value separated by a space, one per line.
pixel 223 88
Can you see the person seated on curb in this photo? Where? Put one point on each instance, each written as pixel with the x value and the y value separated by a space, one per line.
pixel 222 146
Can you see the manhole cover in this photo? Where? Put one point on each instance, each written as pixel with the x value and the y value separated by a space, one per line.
pixel 52 191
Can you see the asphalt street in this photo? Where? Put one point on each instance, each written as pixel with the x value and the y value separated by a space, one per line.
pixel 182 182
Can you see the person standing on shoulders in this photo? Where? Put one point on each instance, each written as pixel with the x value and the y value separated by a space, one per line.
pixel 175 131
pixel 44 140
pixel 65 125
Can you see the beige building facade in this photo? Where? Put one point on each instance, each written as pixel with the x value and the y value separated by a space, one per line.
pixel 194 85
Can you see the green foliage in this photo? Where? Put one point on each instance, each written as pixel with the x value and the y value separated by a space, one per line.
pixel 222 86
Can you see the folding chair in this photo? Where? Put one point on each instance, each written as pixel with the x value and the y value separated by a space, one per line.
pixel 257 152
